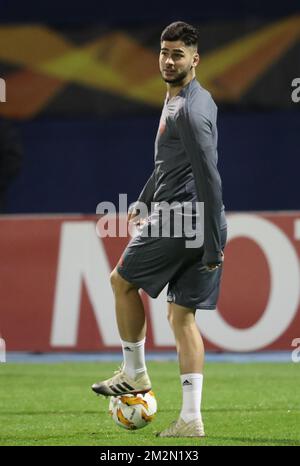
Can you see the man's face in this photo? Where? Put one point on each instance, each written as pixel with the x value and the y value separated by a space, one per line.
pixel 176 61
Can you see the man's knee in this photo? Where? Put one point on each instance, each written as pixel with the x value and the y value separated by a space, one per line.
pixel 180 316
pixel 170 315
pixel 118 284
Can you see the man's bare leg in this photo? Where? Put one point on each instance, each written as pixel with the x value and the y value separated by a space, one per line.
pixel 190 351
pixel 130 314
pixel 130 311
pixel 131 322
pixel 188 339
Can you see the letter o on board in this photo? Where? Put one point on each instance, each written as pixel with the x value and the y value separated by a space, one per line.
pixel 284 289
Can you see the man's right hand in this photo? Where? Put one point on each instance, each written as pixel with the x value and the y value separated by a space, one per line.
pixel 132 214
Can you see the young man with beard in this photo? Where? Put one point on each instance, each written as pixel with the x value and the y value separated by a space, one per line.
pixel 185 171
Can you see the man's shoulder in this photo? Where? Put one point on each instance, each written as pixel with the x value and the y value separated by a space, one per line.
pixel 198 101
pixel 199 97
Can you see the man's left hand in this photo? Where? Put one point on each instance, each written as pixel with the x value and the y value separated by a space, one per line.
pixel 212 267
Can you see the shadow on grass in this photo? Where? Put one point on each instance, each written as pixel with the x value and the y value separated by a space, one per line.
pixel 250 410
pixel 256 440
pixel 238 410
pixel 42 413
pixel 161 411
pixel 85 436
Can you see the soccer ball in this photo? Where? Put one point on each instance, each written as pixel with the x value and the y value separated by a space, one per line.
pixel 133 411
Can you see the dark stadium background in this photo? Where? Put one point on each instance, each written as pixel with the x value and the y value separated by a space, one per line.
pixel 74 160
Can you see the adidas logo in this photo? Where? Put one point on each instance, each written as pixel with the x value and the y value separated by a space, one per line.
pixel 121 389
pixel 187 382
pixel 127 348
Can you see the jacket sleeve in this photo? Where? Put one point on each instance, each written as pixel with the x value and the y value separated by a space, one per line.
pixel 195 130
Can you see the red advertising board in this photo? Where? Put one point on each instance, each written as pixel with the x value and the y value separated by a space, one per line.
pixel 55 292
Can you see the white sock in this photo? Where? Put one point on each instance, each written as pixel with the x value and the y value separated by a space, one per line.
pixel 191 396
pixel 134 358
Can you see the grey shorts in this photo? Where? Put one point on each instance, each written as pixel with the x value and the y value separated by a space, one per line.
pixel 152 263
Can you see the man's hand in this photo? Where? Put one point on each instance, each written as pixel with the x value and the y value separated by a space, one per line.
pixel 133 216
pixel 212 267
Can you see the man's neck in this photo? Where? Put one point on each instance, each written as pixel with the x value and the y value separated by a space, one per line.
pixel 173 90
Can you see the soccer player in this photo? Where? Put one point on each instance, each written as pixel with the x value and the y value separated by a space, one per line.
pixel 185 170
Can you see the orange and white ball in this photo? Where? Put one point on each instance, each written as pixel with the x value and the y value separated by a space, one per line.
pixel 133 411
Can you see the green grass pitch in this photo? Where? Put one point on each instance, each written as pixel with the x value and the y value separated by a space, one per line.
pixel 242 404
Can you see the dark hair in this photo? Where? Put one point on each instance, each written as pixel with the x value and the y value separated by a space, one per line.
pixel 181 31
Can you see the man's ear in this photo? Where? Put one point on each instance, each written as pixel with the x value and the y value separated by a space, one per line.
pixel 196 59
